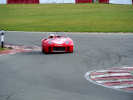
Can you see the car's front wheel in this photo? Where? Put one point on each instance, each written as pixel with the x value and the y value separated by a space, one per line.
pixel 43 51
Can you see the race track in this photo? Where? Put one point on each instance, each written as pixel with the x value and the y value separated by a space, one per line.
pixel 36 76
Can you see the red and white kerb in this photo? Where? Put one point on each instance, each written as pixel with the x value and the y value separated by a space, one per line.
pixel 18 49
pixel 120 78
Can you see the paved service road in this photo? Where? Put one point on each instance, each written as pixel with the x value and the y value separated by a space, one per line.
pixel 35 76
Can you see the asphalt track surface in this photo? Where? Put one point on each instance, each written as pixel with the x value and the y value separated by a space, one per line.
pixel 35 76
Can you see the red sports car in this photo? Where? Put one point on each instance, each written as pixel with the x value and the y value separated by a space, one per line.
pixel 57 43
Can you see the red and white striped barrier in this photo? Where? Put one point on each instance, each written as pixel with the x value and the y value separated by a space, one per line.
pixel 36 1
pixel 117 78
pixel 63 1
pixel 117 1
pixel 3 2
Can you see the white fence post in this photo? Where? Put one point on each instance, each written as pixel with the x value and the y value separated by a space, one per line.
pixel 2 39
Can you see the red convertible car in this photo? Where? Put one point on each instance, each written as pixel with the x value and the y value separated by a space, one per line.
pixel 56 43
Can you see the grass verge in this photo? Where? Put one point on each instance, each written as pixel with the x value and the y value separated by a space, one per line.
pixel 67 17
pixel 2 49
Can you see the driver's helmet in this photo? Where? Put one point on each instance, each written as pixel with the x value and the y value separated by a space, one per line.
pixel 51 35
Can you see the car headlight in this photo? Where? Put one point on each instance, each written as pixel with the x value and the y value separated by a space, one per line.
pixel 49 42
pixel 67 42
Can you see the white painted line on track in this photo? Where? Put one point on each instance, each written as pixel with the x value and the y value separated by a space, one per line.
pixel 123 86
pixel 110 75
pixel 118 80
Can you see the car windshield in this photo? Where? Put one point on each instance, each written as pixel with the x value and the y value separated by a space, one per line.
pixel 56 35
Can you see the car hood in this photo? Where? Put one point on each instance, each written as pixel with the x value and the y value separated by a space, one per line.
pixel 59 40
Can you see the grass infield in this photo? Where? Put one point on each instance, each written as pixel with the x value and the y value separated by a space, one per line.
pixel 67 17
pixel 2 49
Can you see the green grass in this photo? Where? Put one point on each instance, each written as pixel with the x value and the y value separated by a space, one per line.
pixel 2 49
pixel 67 17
